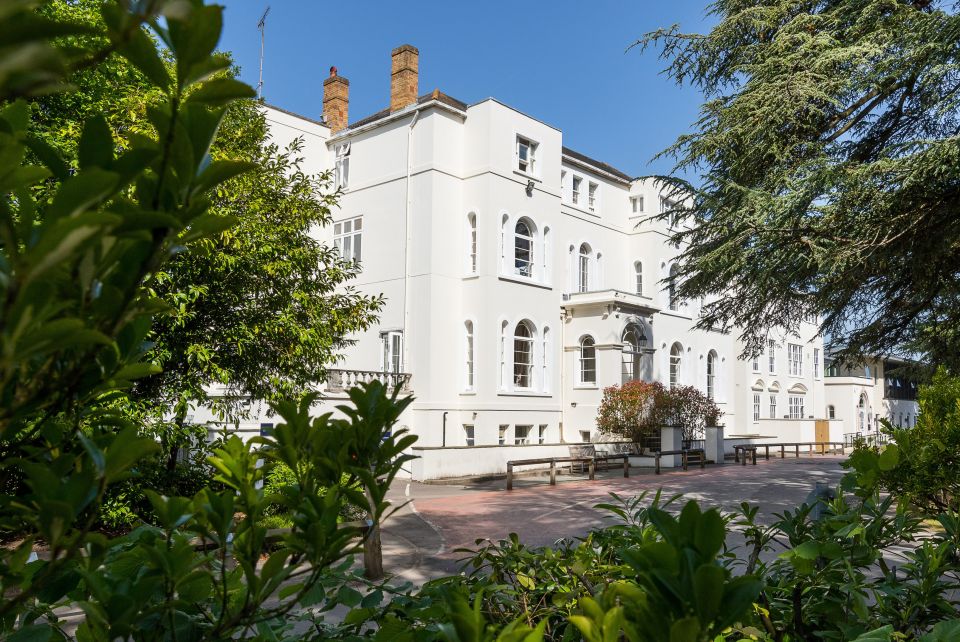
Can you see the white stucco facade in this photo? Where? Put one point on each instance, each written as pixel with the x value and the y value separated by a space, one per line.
pixel 520 279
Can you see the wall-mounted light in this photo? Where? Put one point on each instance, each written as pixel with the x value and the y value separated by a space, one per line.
pixel 573 404
pixel 529 188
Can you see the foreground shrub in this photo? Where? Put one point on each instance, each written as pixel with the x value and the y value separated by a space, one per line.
pixel 920 465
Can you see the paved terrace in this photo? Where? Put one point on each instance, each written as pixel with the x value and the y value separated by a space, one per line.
pixel 420 539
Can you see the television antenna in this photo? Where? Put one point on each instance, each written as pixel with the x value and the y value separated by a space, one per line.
pixel 262 26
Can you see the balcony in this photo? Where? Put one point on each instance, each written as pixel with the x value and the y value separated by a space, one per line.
pixel 612 300
pixel 339 381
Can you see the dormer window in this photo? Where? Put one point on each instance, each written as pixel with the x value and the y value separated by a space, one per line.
pixel 526 155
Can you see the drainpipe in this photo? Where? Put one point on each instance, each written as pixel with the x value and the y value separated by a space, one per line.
pixel 406 244
pixel 443 444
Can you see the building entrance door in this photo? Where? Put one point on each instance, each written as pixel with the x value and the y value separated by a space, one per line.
pixel 822 431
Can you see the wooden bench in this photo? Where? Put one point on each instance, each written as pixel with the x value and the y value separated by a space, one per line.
pixel 684 457
pixel 589 450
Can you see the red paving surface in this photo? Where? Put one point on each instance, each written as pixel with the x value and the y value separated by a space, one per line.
pixel 541 513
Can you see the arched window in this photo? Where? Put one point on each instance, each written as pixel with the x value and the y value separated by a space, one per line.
pixel 471 242
pixel 862 413
pixel 468 357
pixel 588 361
pixel 634 340
pixel 831 412
pixel 638 272
pixel 711 374
pixel 676 356
pixel 523 356
pixel 523 248
pixel 583 268
pixel 672 289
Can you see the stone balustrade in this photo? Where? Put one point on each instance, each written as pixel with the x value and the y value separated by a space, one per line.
pixel 342 380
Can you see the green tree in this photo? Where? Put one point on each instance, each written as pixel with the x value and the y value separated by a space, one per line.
pixel 81 238
pixel 262 308
pixel 828 164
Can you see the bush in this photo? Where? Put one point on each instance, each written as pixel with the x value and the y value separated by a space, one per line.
pixel 919 465
pixel 638 409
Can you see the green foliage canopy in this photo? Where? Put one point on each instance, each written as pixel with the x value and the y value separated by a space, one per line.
pixel 828 163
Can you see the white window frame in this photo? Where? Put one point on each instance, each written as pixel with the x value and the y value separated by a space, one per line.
pixel 638 275
pixel 816 363
pixel 348 238
pixel 676 363
pixel 593 196
pixel 469 435
pixel 528 270
pixel 502 431
pixel 756 407
pixel 795 406
pixel 636 204
pixel 773 406
pixel 795 359
pixel 470 241
pixel 391 343
pixel 542 433
pixel 712 358
pixel 469 373
pixel 772 356
pixel 584 259
pixel 521 434
pixel 341 167
pixel 587 364
pixel 673 300
pixel 530 365
pixel 529 165
pixel 575 189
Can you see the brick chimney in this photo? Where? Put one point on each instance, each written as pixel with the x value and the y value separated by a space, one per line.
pixel 404 70
pixel 336 99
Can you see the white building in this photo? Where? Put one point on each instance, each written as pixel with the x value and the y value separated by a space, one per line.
pixel 521 278
pixel 878 389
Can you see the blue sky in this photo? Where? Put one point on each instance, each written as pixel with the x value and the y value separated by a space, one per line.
pixel 562 62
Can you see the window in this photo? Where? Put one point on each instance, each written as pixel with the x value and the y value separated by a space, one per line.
pixel 468 357
pixel 471 243
pixel 636 204
pixel 266 429
pixel 711 374
pixel 592 196
pixel 523 356
pixel 583 273
pixel 900 421
pixel 392 351
pixel 831 412
pixel 668 205
pixel 796 406
pixel 521 435
pixel 523 248
pixel 468 435
pixel 502 434
pixel 542 437
pixel 634 340
pixel 638 272
pixel 526 155
pixel 545 363
pixel 588 361
pixel 347 238
pixel 575 194
pixel 676 354
pixel 672 289
pixel 585 436
pixel 756 406
pixel 773 406
pixel 341 167
pixel 772 355
pixel 756 364
pixel 795 359
pixel 563 185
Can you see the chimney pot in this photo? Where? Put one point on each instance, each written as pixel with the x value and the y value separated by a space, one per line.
pixel 404 73
pixel 336 100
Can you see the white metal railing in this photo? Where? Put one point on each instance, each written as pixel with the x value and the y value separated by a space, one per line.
pixel 340 380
